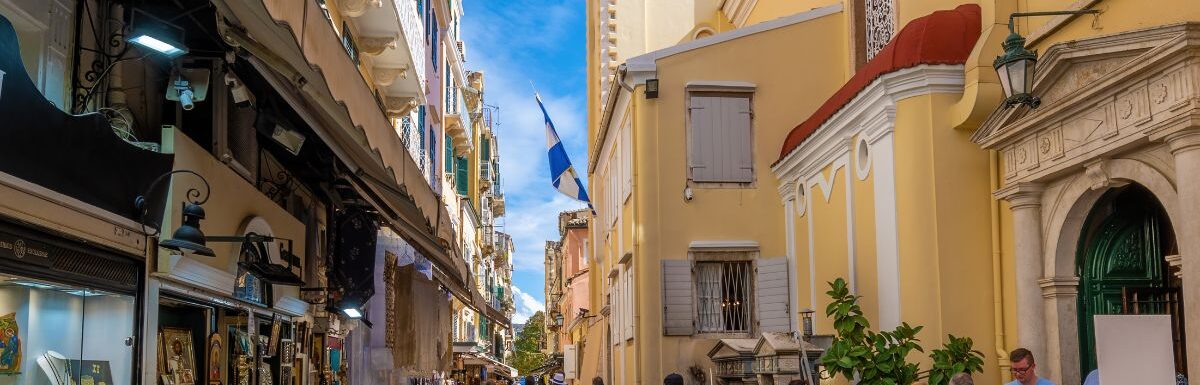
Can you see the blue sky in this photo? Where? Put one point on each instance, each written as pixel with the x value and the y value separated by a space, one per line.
pixel 515 42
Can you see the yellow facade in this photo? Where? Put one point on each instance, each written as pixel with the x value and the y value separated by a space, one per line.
pixel 928 244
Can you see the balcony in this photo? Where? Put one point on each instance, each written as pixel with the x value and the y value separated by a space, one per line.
pixel 458 122
pixel 398 67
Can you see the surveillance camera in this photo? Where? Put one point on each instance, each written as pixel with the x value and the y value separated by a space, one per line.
pixel 186 95
pixel 185 99
pixel 687 194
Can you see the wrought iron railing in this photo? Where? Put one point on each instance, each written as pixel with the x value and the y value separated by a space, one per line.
pixel 1157 300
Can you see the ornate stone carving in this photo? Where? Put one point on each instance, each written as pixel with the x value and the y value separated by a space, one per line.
pixel 1020 157
pixel 1099 177
pixel 1078 76
pixel 1050 145
pixel 1167 92
pixel 399 105
pixel 373 45
pixel 1133 107
pixel 880 24
pixel 356 8
pixel 1175 262
pixel 386 76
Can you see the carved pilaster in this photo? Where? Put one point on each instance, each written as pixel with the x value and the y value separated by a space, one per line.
pixel 386 76
pixel 374 45
pixel 356 8
pixel 1021 195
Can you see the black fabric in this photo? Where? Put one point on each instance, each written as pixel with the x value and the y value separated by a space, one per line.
pixel 76 155
pixel 353 258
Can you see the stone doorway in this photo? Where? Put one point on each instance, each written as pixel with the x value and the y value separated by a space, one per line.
pixel 1122 267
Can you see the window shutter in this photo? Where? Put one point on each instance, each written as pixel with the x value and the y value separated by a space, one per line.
pixel 741 162
pixel 460 175
pixel 771 289
pixel 570 361
pixel 677 298
pixel 630 303
pixel 700 149
pixel 449 154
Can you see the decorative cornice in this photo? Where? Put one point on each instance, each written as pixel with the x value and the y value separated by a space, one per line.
pixel 1021 195
pixel 1055 287
pixel 871 113
pixel 386 76
pixel 724 244
pixel 357 8
pixel 648 62
pixel 1140 51
pixel 375 45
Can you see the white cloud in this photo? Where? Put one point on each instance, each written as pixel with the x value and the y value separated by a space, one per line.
pixel 525 306
pixel 514 49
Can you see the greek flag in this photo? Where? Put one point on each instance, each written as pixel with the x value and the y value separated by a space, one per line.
pixel 562 174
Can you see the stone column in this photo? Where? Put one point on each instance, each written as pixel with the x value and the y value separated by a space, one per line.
pixel 1185 146
pixel 1025 201
pixel 1062 330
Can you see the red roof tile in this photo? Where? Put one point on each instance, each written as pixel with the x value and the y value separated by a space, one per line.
pixel 943 37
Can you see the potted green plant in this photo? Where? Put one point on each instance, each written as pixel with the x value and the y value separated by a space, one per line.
pixel 881 358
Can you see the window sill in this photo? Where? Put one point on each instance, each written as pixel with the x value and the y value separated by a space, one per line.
pixel 721 185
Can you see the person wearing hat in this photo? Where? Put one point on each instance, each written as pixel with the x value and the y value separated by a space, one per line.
pixel 558 379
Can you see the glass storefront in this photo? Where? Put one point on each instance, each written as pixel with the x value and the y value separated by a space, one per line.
pixel 55 333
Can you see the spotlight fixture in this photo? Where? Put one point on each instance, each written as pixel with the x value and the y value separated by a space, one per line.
pixel 157 34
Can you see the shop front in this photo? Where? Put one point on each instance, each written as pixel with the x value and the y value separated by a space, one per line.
pixel 234 317
pixel 72 252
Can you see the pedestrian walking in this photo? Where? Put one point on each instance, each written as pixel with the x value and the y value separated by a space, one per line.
pixel 558 379
pixel 673 379
pixel 962 379
pixel 597 380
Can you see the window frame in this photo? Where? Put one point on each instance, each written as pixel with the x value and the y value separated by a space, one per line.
pixel 750 259
pixel 724 90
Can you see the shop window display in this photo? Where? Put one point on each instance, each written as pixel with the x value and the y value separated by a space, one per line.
pixel 54 333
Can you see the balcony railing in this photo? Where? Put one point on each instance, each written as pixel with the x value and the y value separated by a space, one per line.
pixel 414 32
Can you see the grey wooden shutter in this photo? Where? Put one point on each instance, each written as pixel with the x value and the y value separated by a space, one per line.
pixel 771 295
pixel 719 140
pixel 741 162
pixel 677 298
pixel 700 138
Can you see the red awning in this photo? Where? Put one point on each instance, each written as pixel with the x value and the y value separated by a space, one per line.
pixel 943 37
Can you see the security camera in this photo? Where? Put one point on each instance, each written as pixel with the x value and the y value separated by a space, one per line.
pixel 186 95
pixel 190 85
pixel 687 194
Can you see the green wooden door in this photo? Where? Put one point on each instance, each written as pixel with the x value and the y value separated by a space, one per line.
pixel 1124 251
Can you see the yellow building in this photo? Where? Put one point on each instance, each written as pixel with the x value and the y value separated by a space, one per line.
pixel 867 118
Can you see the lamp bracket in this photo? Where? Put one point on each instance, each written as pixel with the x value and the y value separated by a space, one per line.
pixel 193 196
pixel 1014 15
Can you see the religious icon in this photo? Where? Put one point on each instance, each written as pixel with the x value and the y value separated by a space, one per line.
pixel 179 358
pixel 215 350
pixel 263 346
pixel 10 344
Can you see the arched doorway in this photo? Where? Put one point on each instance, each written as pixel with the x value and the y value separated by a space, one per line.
pixel 1122 267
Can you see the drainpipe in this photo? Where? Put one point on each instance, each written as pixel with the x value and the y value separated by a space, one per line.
pixel 997 275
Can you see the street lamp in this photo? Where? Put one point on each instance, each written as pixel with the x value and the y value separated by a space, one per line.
pixel 1016 67
pixel 188 237
pixel 807 315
